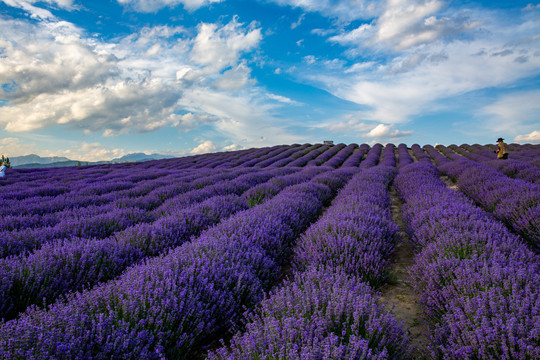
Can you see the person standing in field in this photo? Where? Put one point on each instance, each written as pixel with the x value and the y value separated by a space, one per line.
pixel 502 151
pixel 2 169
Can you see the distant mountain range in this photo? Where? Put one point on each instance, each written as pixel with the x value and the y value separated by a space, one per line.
pixel 34 161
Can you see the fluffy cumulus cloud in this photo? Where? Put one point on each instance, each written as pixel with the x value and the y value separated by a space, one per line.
pixel 347 123
pixel 533 137
pixel 382 131
pixel 216 48
pixel 155 5
pixel 232 147
pixel 234 79
pixel 52 73
pixel 204 147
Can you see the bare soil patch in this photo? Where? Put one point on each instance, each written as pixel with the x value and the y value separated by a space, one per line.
pixel 399 293
pixel 449 182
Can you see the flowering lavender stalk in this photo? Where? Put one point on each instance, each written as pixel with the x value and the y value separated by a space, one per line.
pixel 388 155
pixel 97 225
pixel 271 154
pixel 300 154
pixel 303 160
pixel 262 192
pixel 71 265
pixel 81 263
pixel 254 154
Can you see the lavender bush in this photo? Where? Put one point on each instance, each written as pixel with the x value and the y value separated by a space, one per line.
pixel 319 315
pixel 478 282
pixel 174 304
pixel 514 201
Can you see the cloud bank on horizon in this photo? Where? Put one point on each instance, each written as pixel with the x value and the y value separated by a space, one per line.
pixel 95 81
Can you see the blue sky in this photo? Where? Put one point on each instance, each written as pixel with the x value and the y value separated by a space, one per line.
pixel 95 80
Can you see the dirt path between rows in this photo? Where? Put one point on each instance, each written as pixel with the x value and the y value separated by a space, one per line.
pixel 399 293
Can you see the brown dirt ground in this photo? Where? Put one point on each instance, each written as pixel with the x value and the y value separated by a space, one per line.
pixel 399 293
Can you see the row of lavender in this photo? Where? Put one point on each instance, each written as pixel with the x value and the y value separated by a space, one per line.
pixel 328 310
pixel 65 266
pixel 466 299
pixel 97 216
pixel 516 166
pixel 516 202
pixel 97 201
pixel 373 157
pixel 479 283
pixel 50 271
pixel 252 197
pixel 176 304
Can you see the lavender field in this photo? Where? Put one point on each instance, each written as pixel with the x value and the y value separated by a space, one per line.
pixel 275 253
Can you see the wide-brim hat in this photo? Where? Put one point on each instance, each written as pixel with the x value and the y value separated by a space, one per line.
pixel 500 139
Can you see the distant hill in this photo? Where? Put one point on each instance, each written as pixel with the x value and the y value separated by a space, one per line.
pixel 140 157
pixel 36 161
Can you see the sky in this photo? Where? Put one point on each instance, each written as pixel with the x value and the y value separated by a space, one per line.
pixel 96 80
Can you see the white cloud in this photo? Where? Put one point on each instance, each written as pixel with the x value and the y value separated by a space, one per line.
pixel 47 59
pixel 513 112
pixel 348 123
pixel 161 76
pixel 217 48
pixel 282 99
pixel 385 131
pixel 191 121
pixel 297 23
pixel 243 117
pixel 417 79
pixel 233 147
pixel 54 75
pixel 155 5
pixel 91 152
pixel 234 79
pixel 310 59
pixel 12 146
pixel 533 137
pixel 38 12
pixel 344 10
pixel 405 24
pixel 118 107
pixel 205 147
pixel 530 7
